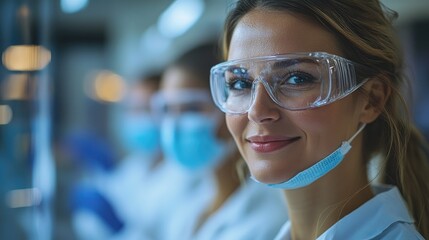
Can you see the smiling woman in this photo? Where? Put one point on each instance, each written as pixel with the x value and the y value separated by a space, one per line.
pixel 310 126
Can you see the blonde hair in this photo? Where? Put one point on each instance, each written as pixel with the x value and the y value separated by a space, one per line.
pixel 365 33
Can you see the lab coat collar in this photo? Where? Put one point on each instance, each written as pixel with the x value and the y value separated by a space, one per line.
pixel 369 220
pixel 373 217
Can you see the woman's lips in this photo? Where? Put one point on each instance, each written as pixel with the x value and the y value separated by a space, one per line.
pixel 266 144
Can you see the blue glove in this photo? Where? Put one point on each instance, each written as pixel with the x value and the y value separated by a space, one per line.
pixel 88 198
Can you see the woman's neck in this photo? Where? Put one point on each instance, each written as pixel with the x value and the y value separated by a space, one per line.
pixel 315 208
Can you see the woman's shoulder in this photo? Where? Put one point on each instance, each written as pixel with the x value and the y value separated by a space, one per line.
pixel 400 230
pixel 385 216
pixel 402 224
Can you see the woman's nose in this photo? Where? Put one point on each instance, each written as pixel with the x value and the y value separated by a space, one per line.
pixel 263 108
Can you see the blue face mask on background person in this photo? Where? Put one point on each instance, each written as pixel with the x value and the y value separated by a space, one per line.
pixel 140 133
pixel 319 169
pixel 190 139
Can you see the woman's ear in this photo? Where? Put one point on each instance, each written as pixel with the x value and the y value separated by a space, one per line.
pixel 377 93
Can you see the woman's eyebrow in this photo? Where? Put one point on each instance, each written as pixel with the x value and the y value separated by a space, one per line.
pixel 290 62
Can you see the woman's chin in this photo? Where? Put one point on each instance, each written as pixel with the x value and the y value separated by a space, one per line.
pixel 267 177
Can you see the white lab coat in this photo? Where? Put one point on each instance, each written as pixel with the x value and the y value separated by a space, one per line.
pixel 87 223
pixel 169 185
pixel 118 187
pixel 129 177
pixel 144 197
pixel 254 212
pixel 385 216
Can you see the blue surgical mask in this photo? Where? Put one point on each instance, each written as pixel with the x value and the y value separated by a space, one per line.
pixel 319 169
pixel 190 139
pixel 140 133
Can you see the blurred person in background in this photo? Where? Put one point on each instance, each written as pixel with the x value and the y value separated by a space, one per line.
pixel 138 132
pixel 93 162
pixel 222 205
pixel 112 208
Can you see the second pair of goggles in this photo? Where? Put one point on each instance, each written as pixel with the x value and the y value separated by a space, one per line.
pixel 181 100
pixel 295 81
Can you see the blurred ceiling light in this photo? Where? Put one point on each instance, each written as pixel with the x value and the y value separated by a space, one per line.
pixel 24 11
pixel 154 42
pixel 5 114
pixel 180 16
pixel 26 57
pixel 16 87
pixel 105 86
pixel 23 198
pixel 72 6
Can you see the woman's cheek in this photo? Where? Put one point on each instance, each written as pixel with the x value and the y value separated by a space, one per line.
pixel 316 119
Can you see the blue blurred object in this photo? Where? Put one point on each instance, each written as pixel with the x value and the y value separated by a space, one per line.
pixel 140 133
pixel 89 199
pixel 90 150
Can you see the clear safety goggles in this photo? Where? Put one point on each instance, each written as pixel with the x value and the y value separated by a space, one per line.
pixel 293 81
pixel 182 101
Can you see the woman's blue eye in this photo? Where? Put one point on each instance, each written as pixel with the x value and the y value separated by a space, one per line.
pixel 240 84
pixel 299 79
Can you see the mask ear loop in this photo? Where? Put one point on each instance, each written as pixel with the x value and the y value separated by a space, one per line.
pixel 356 133
pixel 345 146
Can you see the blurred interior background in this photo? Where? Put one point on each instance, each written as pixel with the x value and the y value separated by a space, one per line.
pixel 66 65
